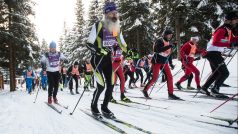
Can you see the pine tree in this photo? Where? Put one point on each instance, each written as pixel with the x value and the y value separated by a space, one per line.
pixel 44 46
pixel 18 33
pixel 80 39
pixel 136 28
pixel 194 18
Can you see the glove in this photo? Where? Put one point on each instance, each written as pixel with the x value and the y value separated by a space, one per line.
pixel 103 52
pixel 172 66
pixel 198 58
pixel 172 45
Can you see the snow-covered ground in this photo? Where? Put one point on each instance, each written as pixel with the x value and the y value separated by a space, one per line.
pixel 19 115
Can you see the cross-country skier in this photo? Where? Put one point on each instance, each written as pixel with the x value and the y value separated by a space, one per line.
pixel 187 54
pixel 43 75
pixel 29 76
pixel 117 66
pixel 88 74
pixel 51 61
pixel 223 37
pixel 162 50
pixel 73 73
pixel 103 36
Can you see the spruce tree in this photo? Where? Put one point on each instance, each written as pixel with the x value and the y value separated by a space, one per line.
pixel 136 27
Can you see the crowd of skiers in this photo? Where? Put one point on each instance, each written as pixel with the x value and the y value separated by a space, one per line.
pixel 111 61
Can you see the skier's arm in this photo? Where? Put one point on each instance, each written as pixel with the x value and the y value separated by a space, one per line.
pixel 91 39
pixel 124 45
pixel 63 58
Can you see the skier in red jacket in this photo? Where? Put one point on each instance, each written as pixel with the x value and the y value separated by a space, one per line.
pixel 187 54
pixel 224 36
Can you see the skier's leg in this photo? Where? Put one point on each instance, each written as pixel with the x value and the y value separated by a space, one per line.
pixel 56 85
pixel 156 69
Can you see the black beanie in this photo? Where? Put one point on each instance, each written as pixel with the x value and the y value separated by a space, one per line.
pixel 76 63
pixel 167 31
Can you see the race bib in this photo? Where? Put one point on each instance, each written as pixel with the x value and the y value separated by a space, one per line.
pixel 108 39
pixel 108 43
pixel 54 60
pixel 54 64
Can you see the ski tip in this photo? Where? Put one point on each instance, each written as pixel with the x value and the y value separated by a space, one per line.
pixel 70 113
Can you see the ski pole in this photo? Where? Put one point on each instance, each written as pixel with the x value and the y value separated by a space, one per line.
pixel 224 102
pixel 203 68
pixel 218 68
pixel 162 70
pixel 87 85
pixel 166 81
pixel 37 93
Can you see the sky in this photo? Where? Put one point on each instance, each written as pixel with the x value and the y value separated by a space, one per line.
pixel 50 16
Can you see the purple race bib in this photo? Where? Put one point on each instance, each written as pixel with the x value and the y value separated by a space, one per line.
pixel 54 60
pixel 108 39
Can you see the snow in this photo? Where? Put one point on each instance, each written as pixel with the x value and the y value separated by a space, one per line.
pixel 136 24
pixel 18 113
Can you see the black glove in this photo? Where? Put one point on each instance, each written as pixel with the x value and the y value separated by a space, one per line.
pixel 198 58
pixel 172 45
pixel 172 66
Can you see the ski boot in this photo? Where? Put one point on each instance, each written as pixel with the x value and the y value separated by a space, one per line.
pixel 190 88
pixel 124 98
pixel 113 100
pixel 49 100
pixel 145 94
pixel 107 113
pixel 142 85
pixel 55 100
pixel 204 91
pixel 178 86
pixel 77 92
pixel 71 92
pixel 95 112
pixel 215 93
pixel 174 97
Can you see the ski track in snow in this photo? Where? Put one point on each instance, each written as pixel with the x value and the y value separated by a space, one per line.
pixel 18 113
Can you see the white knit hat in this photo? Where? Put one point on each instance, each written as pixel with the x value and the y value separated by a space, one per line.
pixel 195 38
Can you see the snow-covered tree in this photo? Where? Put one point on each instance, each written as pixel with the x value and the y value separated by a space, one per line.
pixel 193 17
pixel 17 32
pixel 136 27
